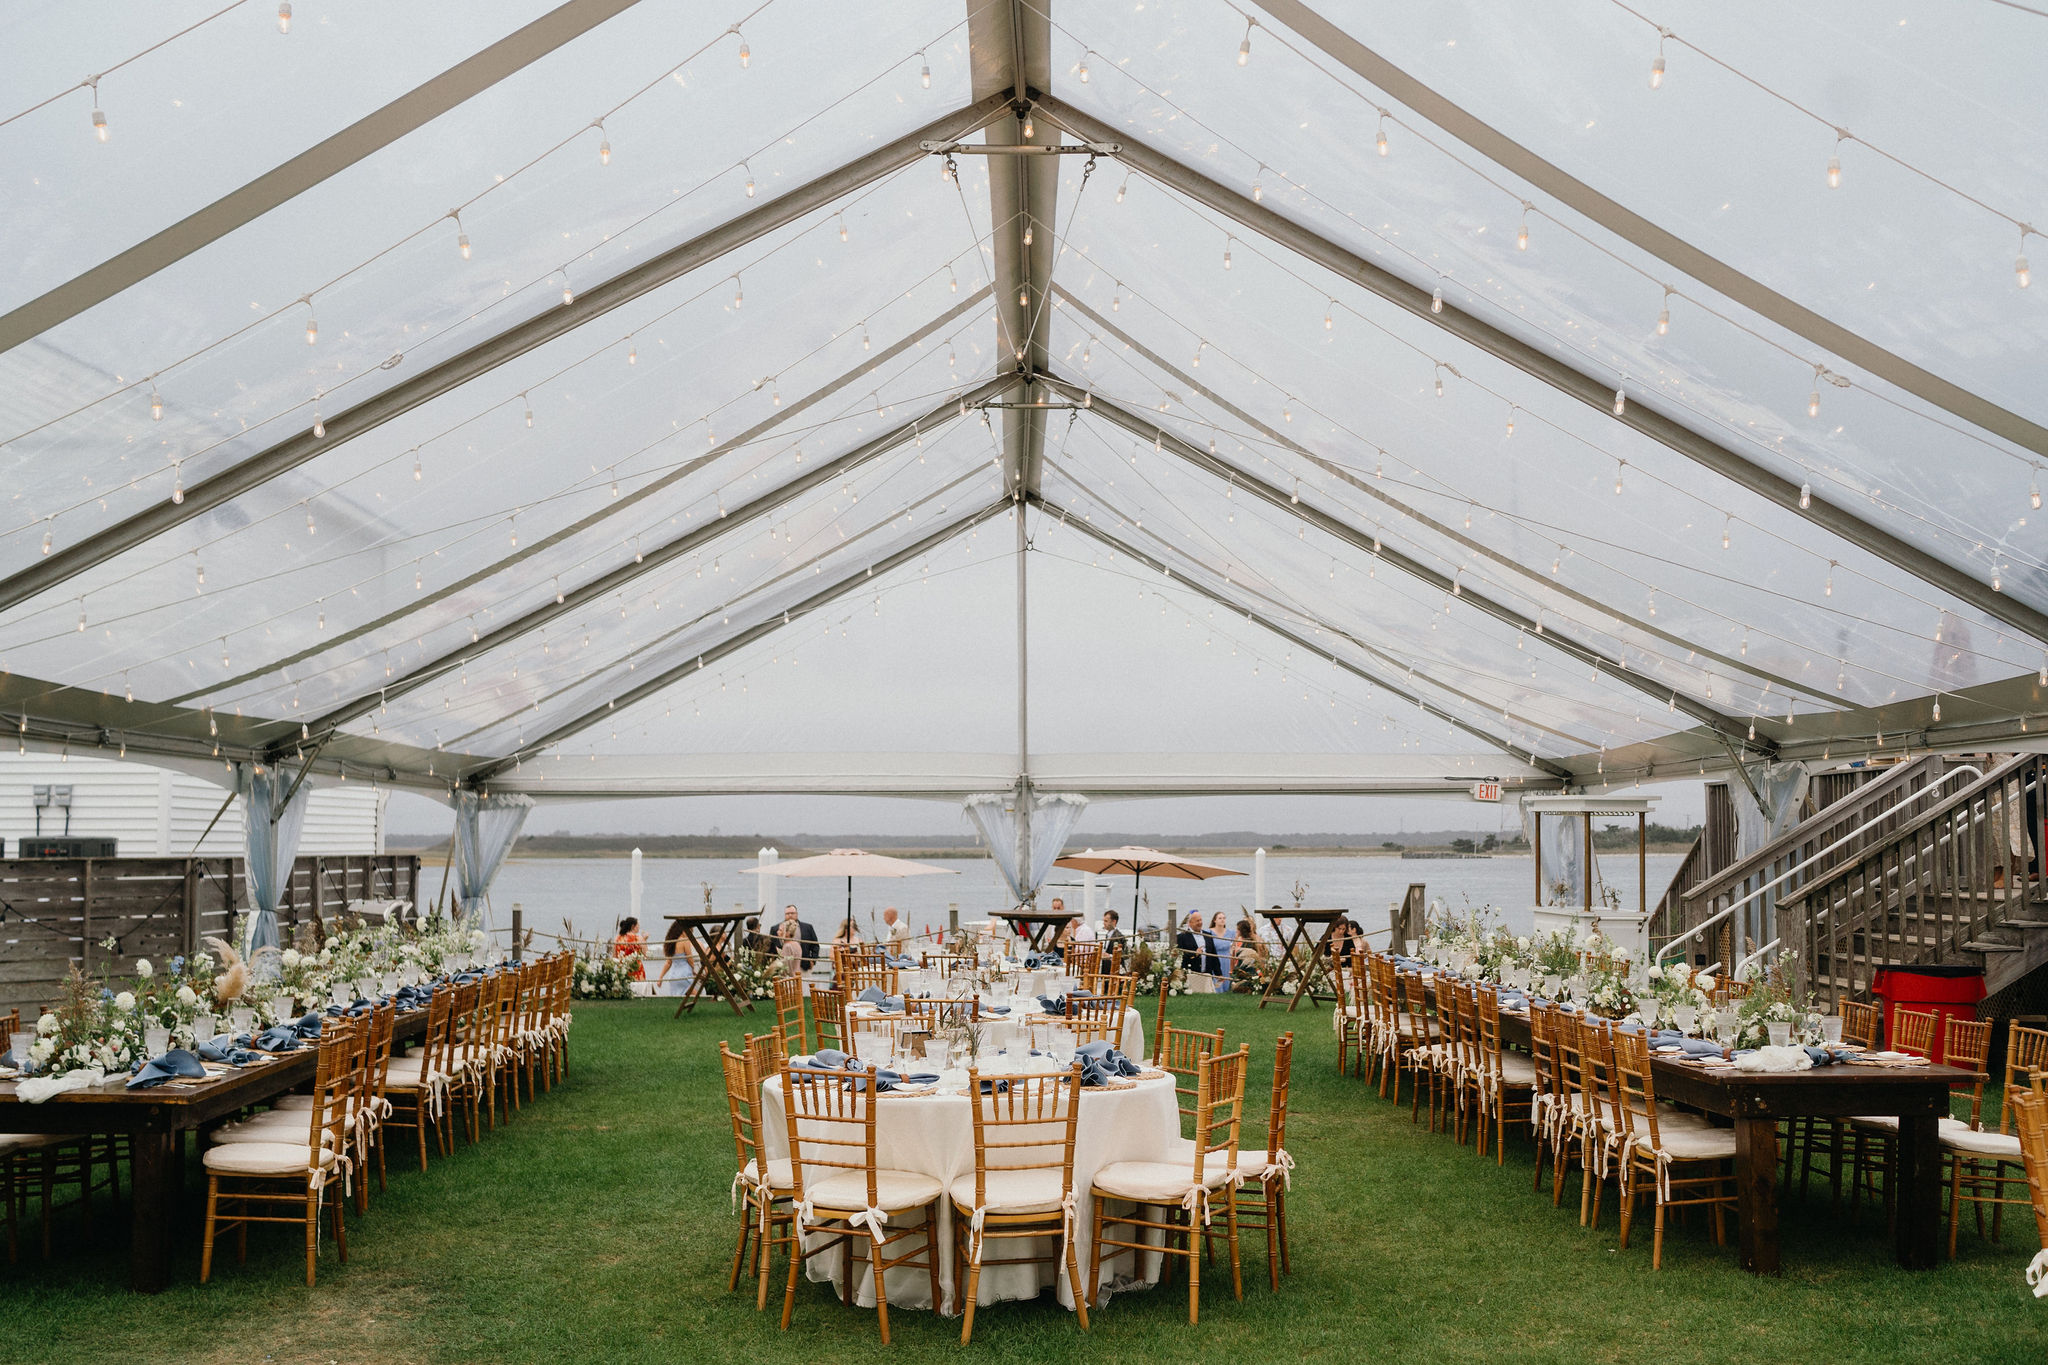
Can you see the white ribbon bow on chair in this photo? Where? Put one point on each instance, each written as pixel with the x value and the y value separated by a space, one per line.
pixel 1197 1198
pixel 974 1232
pixel 1281 1165
pixel 2037 1274
pixel 739 1178
pixel 873 1219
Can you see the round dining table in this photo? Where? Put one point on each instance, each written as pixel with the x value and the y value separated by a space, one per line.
pixel 933 1133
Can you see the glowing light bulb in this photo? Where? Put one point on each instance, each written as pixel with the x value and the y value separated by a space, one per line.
pixel 739 295
pixel 746 56
pixel 1121 188
pixel 1027 234
pixel 1937 708
pixel 924 73
pixel 615 485
pixel 1617 476
pixel 284 18
pixel 1030 130
pixel 156 405
pixel 1828 588
pixel 177 487
pixel 952 281
pixel 99 124
pixel 1724 531
pixel 417 581
pixel 319 426
pixel 2034 490
pixel 1380 141
pixel 311 529
pixel 462 244
pixel 1286 413
pixel 1664 317
pixel 1439 383
pixel 1330 316
pixel 1805 495
pixel 200 572
pixel 1083 72
pixel 321 621
pixel 568 294
pixel 1657 72
pixel 1834 172
pixel 1226 253
pixel 1244 49
pixel 604 152
pixel 1522 235
pixel 1620 402
pixel 312 330
pixel 1258 191
pixel 418 473
pixel 750 182
pixel 2020 271
pixel 1813 404
pixel 632 355
pixel 1436 300
pixel 842 227
pixel 529 411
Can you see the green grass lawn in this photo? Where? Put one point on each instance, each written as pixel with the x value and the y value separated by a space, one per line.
pixel 596 1228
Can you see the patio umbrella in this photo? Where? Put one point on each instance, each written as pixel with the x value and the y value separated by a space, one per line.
pixel 850 863
pixel 1138 862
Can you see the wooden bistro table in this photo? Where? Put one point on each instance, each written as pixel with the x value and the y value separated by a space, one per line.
pixel 711 936
pixel 1315 971
pixel 1756 1101
pixel 1039 926
pixel 155 1122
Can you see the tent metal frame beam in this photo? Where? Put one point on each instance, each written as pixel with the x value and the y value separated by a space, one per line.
pixel 839 587
pixel 1420 518
pixel 1595 392
pixel 371 133
pixel 1335 527
pixel 1640 232
pixel 650 560
pixel 612 508
pixel 486 355
pixel 1303 642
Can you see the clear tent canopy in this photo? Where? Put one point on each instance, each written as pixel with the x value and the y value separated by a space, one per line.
pixel 611 399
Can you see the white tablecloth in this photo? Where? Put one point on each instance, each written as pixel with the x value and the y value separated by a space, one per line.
pixel 1132 1044
pixel 934 1135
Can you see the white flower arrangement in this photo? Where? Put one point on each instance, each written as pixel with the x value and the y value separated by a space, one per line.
pixel 125 1002
pixel 143 968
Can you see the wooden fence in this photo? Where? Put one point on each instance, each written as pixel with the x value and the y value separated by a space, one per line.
pixel 56 912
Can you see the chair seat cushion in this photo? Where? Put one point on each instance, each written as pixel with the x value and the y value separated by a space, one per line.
pixel 292 1104
pixel 1691 1144
pixel 893 1190
pixel 264 1158
pixel 415 1080
pixel 1035 1191
pixel 1669 1119
pixel 1517 1070
pixel 1958 1136
pixel 780 1177
pixel 1886 1122
pixel 1159 1182
pixel 1252 1165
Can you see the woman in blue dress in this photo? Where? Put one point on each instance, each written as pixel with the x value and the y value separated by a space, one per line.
pixel 1220 940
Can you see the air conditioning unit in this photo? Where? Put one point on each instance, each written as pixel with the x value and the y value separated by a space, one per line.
pixel 72 847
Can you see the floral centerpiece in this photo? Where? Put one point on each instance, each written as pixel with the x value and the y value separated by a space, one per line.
pixel 1675 985
pixel 1608 972
pixel 177 997
pixel 1769 1000
pixel 604 977
pixel 92 1029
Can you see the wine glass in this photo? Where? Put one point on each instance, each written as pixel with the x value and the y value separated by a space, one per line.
pixel 20 1043
pixel 387 984
pixel 1647 1009
pixel 1730 1027
pixel 156 1041
pixel 1551 983
pixel 1685 1016
pixel 1831 1028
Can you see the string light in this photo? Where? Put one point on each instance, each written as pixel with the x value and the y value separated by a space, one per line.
pixel 1226 251
pixel 529 408
pixel 2034 488
pixel 1439 381
pixel 1813 399
pixel 568 294
pixel 746 57
pixel 99 116
pixel 2020 271
pixel 1835 160
pixel 1511 420
pixel 739 295
pixel 1380 141
pixel 1657 82
pixel 1330 316
pixel 284 18
pixel 924 71
pixel 177 483
pixel 1436 300
pixel 319 426
pixel 1620 402
pixel 952 281
pixel 1083 71
pixel 1522 233
pixel 1664 315
pixel 604 147
pixel 842 227
pixel 1937 706
pixel 632 355
pixel 312 323
pixel 750 179
pixel 418 472
pixel 1805 495
pixel 1828 588
pixel 156 405
pixel 461 237
pixel 1725 529
pixel 1244 49
pixel 1619 466
pixel 1258 188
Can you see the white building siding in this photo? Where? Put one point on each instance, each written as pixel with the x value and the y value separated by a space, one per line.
pixel 155 812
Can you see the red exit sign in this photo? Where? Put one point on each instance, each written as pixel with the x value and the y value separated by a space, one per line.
pixel 1486 791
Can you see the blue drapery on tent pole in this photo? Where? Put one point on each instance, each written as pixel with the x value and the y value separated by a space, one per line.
pixel 485 829
pixel 272 833
pixel 1052 820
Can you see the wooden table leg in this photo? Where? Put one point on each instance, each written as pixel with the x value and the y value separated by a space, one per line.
pixel 716 979
pixel 1756 1194
pixel 1308 971
pixel 149 1188
pixel 1917 1171
pixel 1277 982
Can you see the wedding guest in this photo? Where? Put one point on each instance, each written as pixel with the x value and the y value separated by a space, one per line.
pixel 675 948
pixel 1221 936
pixel 1196 952
pixel 895 932
pixel 1247 949
pixel 630 942
pixel 847 936
pixel 791 945
pixel 1113 941
pixel 804 933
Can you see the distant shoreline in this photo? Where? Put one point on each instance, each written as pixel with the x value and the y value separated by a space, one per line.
pixel 428 854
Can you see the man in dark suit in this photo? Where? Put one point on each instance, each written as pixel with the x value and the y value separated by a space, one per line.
pixel 805 935
pixel 1113 941
pixel 1194 945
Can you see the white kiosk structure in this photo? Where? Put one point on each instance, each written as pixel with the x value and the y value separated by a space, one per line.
pixel 1570 820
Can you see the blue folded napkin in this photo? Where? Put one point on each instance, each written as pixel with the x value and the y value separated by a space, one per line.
pixel 1102 1063
pixel 281 1038
pixel 995 1009
pixel 905 962
pixel 223 1049
pixel 7 1059
pixel 876 996
pixel 1053 1004
pixel 830 1058
pixel 886 1079
pixel 308 1027
pixel 1824 1057
pixel 176 1062
pixel 1052 957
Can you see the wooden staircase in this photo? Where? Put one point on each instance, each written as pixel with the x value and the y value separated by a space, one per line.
pixel 1956 877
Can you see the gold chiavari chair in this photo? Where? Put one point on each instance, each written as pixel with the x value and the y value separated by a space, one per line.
pixel 1179 1052
pixel 1548 1103
pixel 1505 1082
pixel 418 1085
pixel 1022 1186
pixel 1350 1019
pixel 1605 1129
pixel 1862 1023
pixel 1112 986
pixel 842 1199
pixel 1442 1054
pixel 861 974
pixel 1654 1149
pixel 1568 1142
pixel 1082 960
pixel 1416 1028
pixel 1983 1164
pixel 2030 1126
pixel 1096 1019
pixel 244 1178
pixel 1172 1199
pixel 947 964
pixel 1264 1176
pixel 1874 1136
pixel 367 1108
pixel 790 1034
pixel 767 1219
pixel 1383 981
pixel 828 1017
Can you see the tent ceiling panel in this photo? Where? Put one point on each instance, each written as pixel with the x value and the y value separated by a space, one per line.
pixel 377 254
pixel 180 136
pixel 352 531
pixel 1747 387
pixel 1540 496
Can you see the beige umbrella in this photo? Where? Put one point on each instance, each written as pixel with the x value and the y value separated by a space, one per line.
pixel 850 863
pixel 1140 861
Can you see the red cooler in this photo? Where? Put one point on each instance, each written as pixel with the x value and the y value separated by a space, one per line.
pixel 1950 989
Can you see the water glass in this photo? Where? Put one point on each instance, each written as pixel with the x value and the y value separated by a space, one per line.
pixel 342 993
pixel 1685 1016
pixel 935 1054
pixel 203 1028
pixel 1780 1031
pixel 281 1009
pixel 1551 982
pixel 410 976
pixel 1647 1009
pixel 387 984
pixel 242 1019
pixel 1730 1027
pixel 20 1043
pixel 156 1041
pixel 366 988
pixel 1831 1028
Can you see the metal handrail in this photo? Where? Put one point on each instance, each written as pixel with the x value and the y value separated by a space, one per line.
pixel 1796 868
